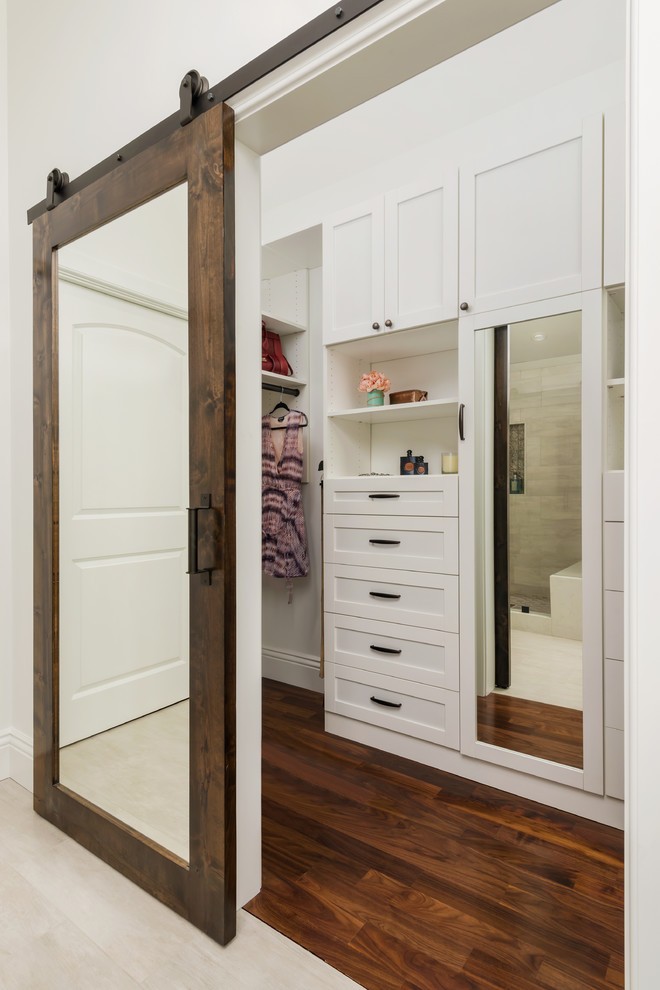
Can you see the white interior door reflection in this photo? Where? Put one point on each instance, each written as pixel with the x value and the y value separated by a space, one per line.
pixel 124 627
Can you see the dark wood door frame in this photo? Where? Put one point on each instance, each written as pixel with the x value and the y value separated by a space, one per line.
pixel 203 890
pixel 501 508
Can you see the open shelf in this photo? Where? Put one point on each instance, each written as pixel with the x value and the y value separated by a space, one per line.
pixel 281 326
pixel 400 413
pixel 289 380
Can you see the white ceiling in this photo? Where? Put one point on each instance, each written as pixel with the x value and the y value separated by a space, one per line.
pixel 563 336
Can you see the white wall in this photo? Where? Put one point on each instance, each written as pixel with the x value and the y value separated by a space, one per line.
pixel 99 81
pixel 643 481
pixel 317 191
pixel 5 436
pixel 449 111
pixel 293 632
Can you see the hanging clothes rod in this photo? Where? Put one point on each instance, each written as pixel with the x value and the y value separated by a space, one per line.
pixel 285 389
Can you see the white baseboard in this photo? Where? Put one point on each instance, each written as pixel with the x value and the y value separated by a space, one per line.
pixel 299 669
pixel 16 757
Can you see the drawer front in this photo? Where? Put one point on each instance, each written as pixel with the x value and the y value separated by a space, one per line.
pixel 427 656
pixel 614 625
pixel 409 542
pixel 427 600
pixel 613 556
pixel 429 496
pixel 424 712
pixel 613 496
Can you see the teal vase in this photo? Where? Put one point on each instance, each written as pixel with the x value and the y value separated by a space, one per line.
pixel 376 398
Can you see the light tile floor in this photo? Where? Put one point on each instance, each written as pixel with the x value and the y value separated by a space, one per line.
pixel 70 922
pixel 139 773
pixel 545 668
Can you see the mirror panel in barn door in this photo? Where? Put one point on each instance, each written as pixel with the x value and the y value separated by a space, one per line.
pixel 124 452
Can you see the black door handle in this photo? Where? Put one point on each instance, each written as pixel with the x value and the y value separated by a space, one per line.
pixel 193 541
pixel 461 421
pixel 386 543
pixel 382 594
pixel 386 704
pixel 384 495
pixel 385 649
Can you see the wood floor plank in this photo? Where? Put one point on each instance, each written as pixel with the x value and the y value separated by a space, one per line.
pixel 408 878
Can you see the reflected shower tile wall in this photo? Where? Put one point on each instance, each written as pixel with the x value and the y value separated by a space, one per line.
pixel 545 523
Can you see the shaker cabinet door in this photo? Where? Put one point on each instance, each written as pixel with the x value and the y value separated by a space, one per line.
pixel 531 218
pixel 353 272
pixel 421 253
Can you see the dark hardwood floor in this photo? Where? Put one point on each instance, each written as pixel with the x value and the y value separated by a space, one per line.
pixel 406 878
pixel 548 731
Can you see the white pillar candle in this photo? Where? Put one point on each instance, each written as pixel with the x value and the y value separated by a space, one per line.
pixel 450 463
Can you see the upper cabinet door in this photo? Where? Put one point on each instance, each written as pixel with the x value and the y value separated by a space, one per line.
pixel 531 218
pixel 353 272
pixel 421 253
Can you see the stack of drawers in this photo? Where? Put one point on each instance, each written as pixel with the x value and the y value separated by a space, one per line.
pixel 613 631
pixel 391 604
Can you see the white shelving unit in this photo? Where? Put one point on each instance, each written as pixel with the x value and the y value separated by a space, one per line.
pixel 362 439
pixel 285 311
pixel 615 383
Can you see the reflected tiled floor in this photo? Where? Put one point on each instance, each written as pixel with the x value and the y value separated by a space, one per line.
pixel 68 921
pixel 139 773
pixel 546 669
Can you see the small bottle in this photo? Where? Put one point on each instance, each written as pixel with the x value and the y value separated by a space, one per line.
pixel 407 464
pixel 515 484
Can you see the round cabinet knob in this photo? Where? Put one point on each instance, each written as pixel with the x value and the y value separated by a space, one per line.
pixel 464 306
pixel 388 323
pixel 375 326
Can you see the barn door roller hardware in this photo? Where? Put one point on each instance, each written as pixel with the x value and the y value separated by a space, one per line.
pixel 55 183
pixel 192 88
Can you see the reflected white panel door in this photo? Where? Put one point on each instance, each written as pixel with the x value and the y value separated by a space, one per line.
pixel 123 492
pixel 531 217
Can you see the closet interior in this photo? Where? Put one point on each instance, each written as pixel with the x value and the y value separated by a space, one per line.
pixel 399 253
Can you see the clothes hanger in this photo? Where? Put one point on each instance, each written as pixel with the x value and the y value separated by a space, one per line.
pixel 282 405
pixel 301 425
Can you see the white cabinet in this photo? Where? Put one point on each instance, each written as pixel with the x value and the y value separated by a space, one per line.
pixel 391 263
pixel 531 218
pixel 391 603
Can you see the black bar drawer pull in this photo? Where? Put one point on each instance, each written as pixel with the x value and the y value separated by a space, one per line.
pixel 385 649
pixel 386 704
pixel 386 543
pixel 384 495
pixel 382 594
pixel 461 421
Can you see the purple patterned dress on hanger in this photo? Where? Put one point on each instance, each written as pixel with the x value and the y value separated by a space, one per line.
pixel 284 540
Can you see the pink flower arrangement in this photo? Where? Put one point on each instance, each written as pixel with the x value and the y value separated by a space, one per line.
pixel 375 381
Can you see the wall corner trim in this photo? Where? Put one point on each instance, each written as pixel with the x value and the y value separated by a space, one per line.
pixel 16 755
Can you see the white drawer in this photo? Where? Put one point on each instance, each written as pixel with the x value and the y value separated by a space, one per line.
pixel 613 556
pixel 614 763
pixel 613 601
pixel 424 712
pixel 613 496
pixel 614 694
pixel 408 597
pixel 435 495
pixel 428 656
pixel 420 543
